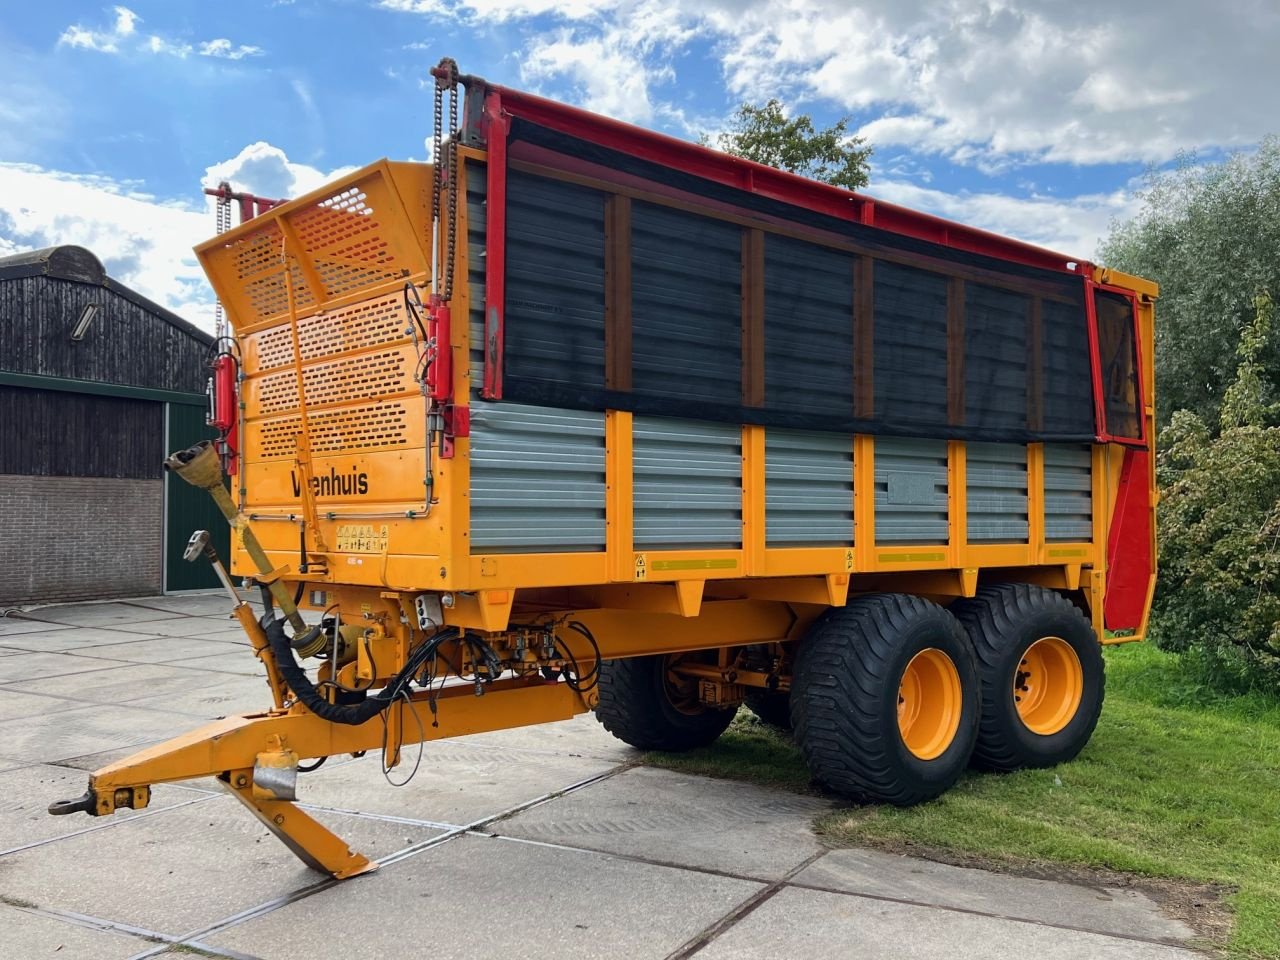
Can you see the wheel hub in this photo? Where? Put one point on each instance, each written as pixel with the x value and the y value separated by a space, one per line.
pixel 1048 685
pixel 929 704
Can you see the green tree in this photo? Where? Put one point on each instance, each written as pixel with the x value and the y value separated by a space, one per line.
pixel 767 135
pixel 1210 236
pixel 1218 594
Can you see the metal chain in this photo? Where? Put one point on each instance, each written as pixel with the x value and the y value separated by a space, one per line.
pixel 436 173
pixel 446 169
pixel 453 182
pixel 222 213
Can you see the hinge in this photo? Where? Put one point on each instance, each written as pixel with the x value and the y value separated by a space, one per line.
pixel 457 423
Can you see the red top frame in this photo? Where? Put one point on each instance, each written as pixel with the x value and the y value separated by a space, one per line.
pixel 756 178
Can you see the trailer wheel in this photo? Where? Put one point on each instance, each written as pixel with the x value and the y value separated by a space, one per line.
pixel 643 703
pixel 884 699
pixel 771 707
pixel 1042 676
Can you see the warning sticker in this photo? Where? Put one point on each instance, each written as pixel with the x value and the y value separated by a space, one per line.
pixel 362 538
pixel 642 567
pixel 848 561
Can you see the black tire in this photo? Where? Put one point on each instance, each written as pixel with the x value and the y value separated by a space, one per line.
pixel 772 708
pixel 844 699
pixel 636 706
pixel 1004 621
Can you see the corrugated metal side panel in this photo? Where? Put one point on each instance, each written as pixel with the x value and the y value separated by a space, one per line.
pixel 688 484
pixel 1068 497
pixel 911 490
pixel 537 479
pixel 997 492
pixel 808 489
pixel 476 226
pixel 686 306
pixel 555 281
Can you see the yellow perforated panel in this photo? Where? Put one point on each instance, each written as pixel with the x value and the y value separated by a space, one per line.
pixel 369 323
pixel 365 377
pixel 347 430
pixel 356 236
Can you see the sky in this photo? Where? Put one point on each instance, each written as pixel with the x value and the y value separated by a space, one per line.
pixel 1032 118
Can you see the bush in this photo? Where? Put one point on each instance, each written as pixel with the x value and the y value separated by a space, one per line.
pixel 1220 528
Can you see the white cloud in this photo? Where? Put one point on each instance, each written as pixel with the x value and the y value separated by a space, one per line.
pixel 265 170
pixel 106 40
pixel 1070 225
pixel 144 241
pixel 498 11
pixel 609 75
pixel 226 50
pixel 122 37
pixel 985 82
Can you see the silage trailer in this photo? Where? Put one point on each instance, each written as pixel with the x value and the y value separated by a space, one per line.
pixel 583 417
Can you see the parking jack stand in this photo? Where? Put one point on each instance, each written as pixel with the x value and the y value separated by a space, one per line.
pixel 308 839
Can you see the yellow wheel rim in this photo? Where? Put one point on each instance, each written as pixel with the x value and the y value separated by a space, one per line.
pixel 1048 685
pixel 929 704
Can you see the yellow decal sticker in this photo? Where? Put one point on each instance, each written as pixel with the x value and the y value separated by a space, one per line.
pixel 695 564
pixel 1066 553
pixel 362 538
pixel 848 561
pixel 642 567
pixel 911 557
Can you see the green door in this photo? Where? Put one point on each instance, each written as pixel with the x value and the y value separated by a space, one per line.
pixel 188 509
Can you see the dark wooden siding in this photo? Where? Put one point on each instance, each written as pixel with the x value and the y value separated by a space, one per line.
pixel 48 433
pixel 126 343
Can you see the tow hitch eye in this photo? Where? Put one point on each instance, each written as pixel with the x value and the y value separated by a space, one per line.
pixel 133 798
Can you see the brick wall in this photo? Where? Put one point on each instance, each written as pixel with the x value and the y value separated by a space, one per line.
pixel 79 538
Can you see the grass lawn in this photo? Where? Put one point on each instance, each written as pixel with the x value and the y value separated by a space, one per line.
pixel 1178 782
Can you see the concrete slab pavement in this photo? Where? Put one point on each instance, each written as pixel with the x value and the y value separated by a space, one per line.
pixel 812 923
pixel 537 842
pixel 721 825
pixel 478 897
pixel 1105 910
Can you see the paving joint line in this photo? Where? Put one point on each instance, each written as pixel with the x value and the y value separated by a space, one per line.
pixel 632 857
pixel 741 911
pixel 100 924
pixel 112 823
pixel 270 906
pixel 973 912
pixel 384 817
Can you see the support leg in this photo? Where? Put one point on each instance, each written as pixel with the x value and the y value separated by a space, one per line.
pixel 310 841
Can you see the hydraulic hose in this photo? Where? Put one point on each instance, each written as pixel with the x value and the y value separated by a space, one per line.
pixel 352 714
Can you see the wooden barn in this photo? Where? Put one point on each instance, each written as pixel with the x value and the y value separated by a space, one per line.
pixel 97 385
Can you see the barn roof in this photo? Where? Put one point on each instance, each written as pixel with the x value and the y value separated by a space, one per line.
pixel 78 265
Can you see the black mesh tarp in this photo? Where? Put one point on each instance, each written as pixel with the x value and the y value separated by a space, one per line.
pixel 937 342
